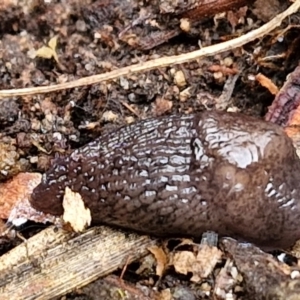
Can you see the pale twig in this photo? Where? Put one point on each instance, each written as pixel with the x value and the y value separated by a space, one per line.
pixel 163 61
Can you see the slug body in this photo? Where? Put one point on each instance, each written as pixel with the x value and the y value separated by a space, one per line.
pixel 183 175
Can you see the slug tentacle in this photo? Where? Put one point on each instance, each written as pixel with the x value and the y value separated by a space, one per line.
pixel 183 175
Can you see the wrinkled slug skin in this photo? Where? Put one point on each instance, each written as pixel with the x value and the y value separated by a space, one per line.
pixel 183 175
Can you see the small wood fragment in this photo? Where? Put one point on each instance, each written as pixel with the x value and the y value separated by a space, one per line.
pixel 286 100
pixel 209 8
pixel 54 262
pixel 264 276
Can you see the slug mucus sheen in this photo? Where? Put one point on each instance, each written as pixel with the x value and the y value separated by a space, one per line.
pixel 182 175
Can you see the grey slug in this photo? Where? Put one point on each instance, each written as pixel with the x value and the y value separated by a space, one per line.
pixel 183 175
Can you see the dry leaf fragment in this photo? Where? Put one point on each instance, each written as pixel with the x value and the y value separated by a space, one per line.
pixel 15 195
pixel 185 94
pixel 179 79
pixel 166 295
pixel 161 259
pixel 109 116
pixel 223 69
pixel 237 17
pixel 75 213
pixel 200 265
pixel 3 229
pixel 162 106
pixel 227 281
pixel 23 212
pixel 50 51
pixel 183 261
pixel 185 25
pixel 12 191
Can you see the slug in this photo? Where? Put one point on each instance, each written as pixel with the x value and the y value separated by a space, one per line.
pixel 182 175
